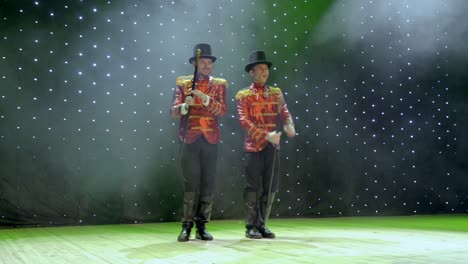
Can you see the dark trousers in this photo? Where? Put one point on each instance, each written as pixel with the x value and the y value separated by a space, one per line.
pixel 259 168
pixel 199 170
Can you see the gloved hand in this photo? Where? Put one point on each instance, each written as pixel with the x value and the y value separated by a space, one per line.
pixel 201 95
pixel 273 137
pixel 189 100
pixel 185 106
pixel 290 130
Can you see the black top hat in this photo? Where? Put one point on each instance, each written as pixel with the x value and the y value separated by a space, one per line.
pixel 257 57
pixel 205 52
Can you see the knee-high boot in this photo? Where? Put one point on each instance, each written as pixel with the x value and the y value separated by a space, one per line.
pixel 188 216
pixel 251 215
pixel 203 215
pixel 265 208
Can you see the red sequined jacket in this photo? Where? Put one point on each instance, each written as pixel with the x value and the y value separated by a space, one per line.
pixel 202 119
pixel 258 111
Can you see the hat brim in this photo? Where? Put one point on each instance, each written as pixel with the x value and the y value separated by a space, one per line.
pixel 213 58
pixel 249 66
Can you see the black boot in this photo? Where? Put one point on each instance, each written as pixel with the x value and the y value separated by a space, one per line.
pixel 265 232
pixel 265 207
pixel 203 215
pixel 202 233
pixel 188 215
pixel 251 216
pixel 252 232
pixel 184 235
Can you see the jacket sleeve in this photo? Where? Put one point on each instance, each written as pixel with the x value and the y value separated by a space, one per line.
pixel 177 100
pixel 286 117
pixel 217 106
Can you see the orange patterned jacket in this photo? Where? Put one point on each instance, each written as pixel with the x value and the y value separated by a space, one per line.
pixel 203 120
pixel 258 111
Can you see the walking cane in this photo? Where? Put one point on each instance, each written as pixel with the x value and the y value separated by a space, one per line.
pixel 275 157
pixel 194 82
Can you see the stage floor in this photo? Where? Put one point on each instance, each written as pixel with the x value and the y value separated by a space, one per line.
pixel 412 239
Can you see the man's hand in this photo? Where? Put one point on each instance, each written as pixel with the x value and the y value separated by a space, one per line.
pixel 274 137
pixel 290 130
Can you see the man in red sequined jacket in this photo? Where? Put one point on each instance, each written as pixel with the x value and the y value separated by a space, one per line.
pixel 259 109
pixel 198 110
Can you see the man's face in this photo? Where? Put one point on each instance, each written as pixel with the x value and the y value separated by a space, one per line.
pixel 260 73
pixel 205 66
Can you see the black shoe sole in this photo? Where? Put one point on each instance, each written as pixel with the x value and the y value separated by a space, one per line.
pixel 253 237
pixel 204 239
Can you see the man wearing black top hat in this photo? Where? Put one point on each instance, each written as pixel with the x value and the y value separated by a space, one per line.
pixel 260 107
pixel 198 110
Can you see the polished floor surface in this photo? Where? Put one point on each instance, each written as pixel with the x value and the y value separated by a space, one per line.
pixel 410 239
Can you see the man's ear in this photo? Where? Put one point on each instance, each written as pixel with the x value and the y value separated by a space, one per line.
pixel 251 72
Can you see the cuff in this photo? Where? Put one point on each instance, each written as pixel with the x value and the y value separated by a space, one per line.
pixel 207 102
pixel 184 109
